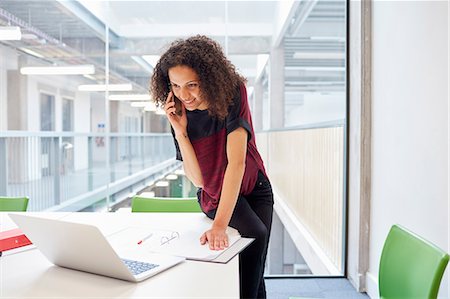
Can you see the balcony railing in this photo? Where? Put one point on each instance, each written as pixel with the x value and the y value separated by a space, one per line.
pixel 306 167
pixel 53 169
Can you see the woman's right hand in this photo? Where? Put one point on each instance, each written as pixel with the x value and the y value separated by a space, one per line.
pixel 178 122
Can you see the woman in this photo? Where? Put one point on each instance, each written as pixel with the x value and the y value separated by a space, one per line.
pixel 205 101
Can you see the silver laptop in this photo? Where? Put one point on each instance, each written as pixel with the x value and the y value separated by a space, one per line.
pixel 83 247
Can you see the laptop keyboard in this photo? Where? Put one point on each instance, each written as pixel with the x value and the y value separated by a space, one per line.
pixel 138 267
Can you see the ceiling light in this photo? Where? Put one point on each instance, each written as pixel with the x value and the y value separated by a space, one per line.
pixel 151 59
pixel 179 171
pixel 31 52
pixel 10 33
pixel 150 107
pixel 171 177
pixel 130 97
pixel 104 87
pixel 138 104
pixel 162 184
pixel 59 70
pixel 319 55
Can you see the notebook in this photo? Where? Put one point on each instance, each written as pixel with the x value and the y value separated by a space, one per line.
pixel 184 243
pixel 83 247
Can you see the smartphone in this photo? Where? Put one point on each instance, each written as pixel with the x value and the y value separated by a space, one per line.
pixel 178 107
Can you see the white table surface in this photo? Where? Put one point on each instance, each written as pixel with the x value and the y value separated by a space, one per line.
pixel 28 274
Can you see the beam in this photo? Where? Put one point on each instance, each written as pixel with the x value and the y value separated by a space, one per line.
pixel 285 12
pixel 90 20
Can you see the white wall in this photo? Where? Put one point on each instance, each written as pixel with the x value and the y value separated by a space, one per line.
pixel 58 86
pixel 410 125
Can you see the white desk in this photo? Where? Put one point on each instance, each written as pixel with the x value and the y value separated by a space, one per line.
pixel 28 274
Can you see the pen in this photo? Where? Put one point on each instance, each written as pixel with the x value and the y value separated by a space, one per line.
pixel 145 238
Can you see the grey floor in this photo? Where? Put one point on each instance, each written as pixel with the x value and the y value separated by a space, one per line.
pixel 308 288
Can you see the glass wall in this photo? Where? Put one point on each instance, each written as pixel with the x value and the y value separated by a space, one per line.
pixel 87 138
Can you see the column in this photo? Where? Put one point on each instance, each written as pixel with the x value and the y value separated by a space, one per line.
pixel 276 87
pixel 258 93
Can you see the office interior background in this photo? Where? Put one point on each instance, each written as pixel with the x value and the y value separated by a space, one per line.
pixel 352 123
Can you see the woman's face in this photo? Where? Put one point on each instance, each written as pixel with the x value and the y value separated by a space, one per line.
pixel 186 87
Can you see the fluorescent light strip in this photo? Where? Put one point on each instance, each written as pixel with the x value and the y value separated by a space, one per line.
pixel 59 70
pixel 10 33
pixel 130 97
pixel 139 104
pixel 162 184
pixel 103 87
pixel 171 177
pixel 31 52
pixel 179 172
pixel 150 107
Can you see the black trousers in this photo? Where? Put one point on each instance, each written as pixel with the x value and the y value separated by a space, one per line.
pixel 252 217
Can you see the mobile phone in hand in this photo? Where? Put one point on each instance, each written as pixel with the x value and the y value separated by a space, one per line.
pixel 178 107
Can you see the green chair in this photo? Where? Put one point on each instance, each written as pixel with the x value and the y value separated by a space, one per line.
pixel 13 204
pixel 410 267
pixel 164 204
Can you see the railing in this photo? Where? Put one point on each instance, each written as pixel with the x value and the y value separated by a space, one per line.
pixel 54 168
pixel 306 167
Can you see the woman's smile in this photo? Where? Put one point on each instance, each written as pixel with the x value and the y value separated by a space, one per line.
pixel 185 85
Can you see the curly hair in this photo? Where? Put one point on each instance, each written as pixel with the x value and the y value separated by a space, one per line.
pixel 219 80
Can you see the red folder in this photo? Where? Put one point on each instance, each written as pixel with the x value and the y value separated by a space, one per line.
pixel 13 238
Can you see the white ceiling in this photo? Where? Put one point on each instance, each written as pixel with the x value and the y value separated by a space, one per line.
pixel 74 31
pixel 140 19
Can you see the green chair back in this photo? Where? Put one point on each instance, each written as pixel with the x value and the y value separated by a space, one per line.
pixel 13 204
pixel 164 204
pixel 410 267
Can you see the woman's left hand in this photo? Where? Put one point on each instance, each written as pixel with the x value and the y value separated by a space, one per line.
pixel 217 238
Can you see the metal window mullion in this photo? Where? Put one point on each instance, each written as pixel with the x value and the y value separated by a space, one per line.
pixel 56 169
pixel 3 167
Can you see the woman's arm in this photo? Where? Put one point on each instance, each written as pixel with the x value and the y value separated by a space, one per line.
pixel 190 162
pixel 179 125
pixel 236 154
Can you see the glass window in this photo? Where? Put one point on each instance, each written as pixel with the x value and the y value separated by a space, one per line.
pixel 47 109
pixel 67 114
pixel 105 132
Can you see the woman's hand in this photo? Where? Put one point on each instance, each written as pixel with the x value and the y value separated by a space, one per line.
pixel 217 238
pixel 178 122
